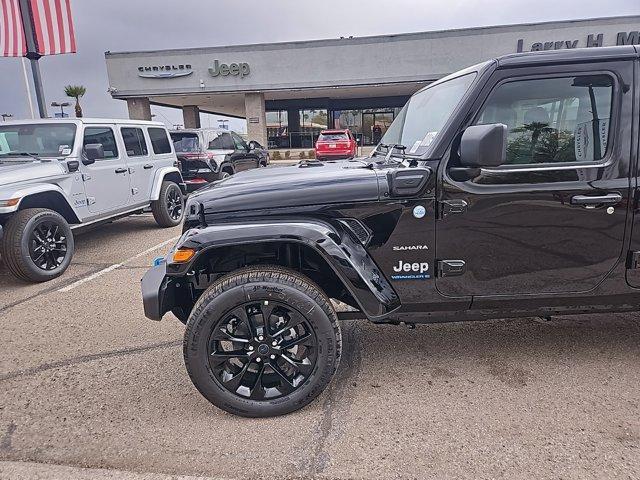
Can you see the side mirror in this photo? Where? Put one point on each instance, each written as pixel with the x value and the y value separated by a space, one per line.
pixel 252 145
pixel 92 152
pixel 484 146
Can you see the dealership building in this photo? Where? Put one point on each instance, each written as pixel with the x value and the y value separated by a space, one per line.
pixel 289 91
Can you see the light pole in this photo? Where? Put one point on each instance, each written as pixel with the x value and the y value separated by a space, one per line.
pixel 5 116
pixel 61 105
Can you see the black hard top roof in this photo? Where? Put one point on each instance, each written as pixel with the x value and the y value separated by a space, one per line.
pixel 568 55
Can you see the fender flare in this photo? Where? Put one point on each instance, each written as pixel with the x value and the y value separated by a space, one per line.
pixel 36 189
pixel 159 177
pixel 346 257
pixel 228 164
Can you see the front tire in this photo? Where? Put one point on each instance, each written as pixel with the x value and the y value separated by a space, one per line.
pixel 262 341
pixel 168 210
pixel 37 244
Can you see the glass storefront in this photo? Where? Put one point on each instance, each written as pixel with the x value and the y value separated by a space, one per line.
pixel 368 125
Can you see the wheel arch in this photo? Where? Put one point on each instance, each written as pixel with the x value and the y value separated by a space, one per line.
pixel 167 173
pixel 227 166
pixel 325 253
pixel 51 199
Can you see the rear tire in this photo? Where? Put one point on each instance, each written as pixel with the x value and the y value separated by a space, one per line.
pixel 253 368
pixel 168 210
pixel 37 244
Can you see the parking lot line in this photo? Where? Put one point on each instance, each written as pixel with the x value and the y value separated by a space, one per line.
pixel 110 268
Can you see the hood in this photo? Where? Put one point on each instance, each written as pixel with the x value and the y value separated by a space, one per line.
pixel 311 183
pixel 15 170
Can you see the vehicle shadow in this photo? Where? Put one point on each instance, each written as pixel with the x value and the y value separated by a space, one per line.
pixel 563 342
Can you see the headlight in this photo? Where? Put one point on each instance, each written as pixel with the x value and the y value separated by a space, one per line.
pixel 12 202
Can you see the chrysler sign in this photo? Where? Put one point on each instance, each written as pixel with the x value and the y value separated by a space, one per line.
pixel 164 71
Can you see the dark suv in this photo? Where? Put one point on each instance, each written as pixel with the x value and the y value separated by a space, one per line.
pixel 209 154
pixel 507 189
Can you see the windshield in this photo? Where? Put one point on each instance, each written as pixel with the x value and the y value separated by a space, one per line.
pixel 419 122
pixel 43 140
pixel 185 142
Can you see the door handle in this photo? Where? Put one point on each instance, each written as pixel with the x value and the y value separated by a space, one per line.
pixel 121 170
pixel 593 200
pixel 147 166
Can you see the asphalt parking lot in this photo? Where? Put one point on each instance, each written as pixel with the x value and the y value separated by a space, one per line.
pixel 87 381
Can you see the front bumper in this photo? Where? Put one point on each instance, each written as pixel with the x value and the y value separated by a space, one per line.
pixel 195 182
pixel 158 294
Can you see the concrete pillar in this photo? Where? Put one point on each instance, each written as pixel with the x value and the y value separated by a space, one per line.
pixel 256 117
pixel 139 108
pixel 191 116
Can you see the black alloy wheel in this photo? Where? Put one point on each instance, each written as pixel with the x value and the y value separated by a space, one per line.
pixel 168 210
pixel 262 350
pixel 262 341
pixel 174 203
pixel 48 245
pixel 37 244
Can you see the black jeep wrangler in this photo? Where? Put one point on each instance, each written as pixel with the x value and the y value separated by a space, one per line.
pixel 507 189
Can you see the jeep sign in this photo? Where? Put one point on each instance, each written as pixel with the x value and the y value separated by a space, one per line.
pixel 235 69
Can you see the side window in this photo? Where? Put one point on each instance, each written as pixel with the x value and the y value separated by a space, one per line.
pixel 134 141
pixel 553 120
pixel 227 141
pixel 159 140
pixel 224 142
pixel 217 143
pixel 103 135
pixel 240 144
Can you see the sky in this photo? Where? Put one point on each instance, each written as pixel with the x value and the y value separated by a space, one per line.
pixel 125 25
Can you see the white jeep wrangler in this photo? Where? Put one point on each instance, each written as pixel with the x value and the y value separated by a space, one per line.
pixel 57 175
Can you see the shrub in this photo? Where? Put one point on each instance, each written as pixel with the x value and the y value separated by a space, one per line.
pixel 312 154
pixel 302 154
pixel 287 154
pixel 276 155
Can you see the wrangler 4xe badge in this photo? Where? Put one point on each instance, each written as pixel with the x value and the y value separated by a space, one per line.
pixel 411 271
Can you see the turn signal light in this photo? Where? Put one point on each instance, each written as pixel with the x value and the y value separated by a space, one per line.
pixel 183 255
pixel 12 202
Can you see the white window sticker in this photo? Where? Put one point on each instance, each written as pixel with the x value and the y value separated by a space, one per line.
pixel 415 147
pixel 428 139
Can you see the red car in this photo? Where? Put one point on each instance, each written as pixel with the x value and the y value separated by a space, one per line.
pixel 335 144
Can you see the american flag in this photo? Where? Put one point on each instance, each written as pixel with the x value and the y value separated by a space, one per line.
pixel 12 41
pixel 53 26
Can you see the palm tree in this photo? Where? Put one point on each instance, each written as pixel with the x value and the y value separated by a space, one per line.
pixel 76 91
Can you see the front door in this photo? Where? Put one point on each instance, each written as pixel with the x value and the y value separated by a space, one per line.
pixel 106 182
pixel 243 157
pixel 552 219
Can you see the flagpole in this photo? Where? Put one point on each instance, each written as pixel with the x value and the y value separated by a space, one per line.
pixel 33 55
pixel 26 84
